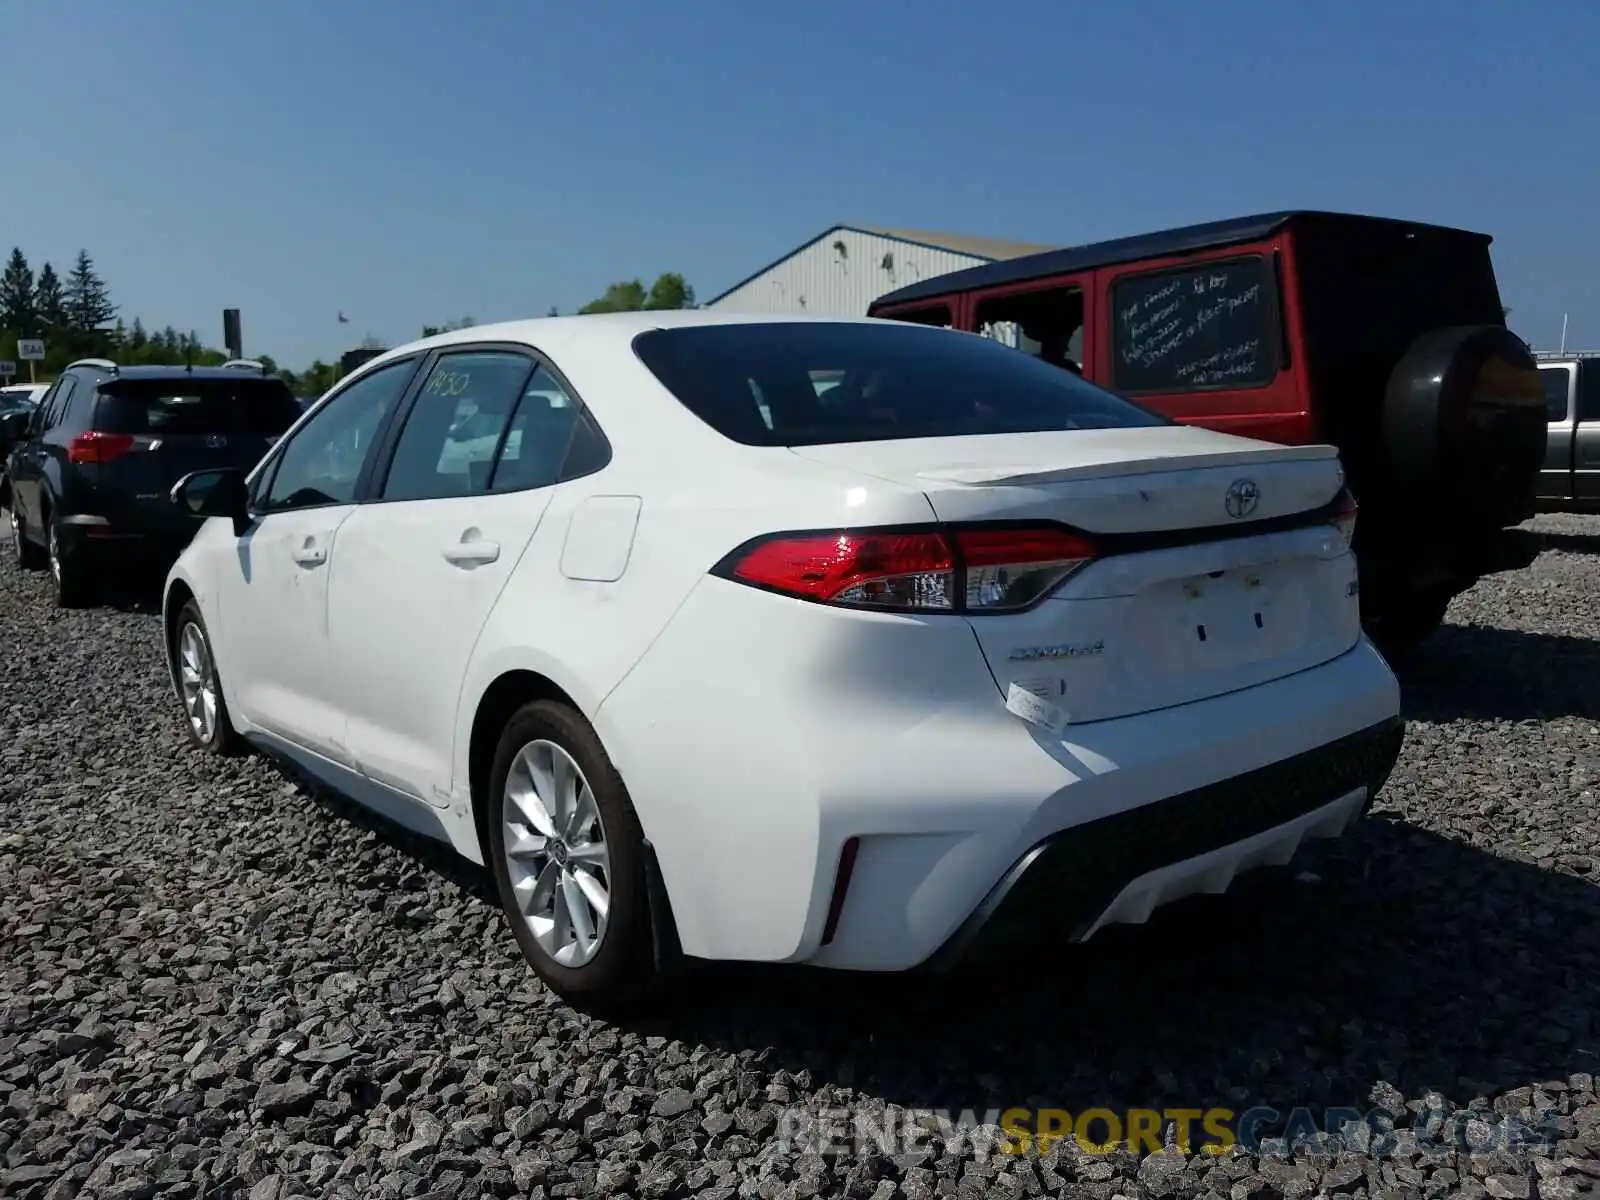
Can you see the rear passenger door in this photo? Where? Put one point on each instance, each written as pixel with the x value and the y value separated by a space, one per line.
pixel 1555 479
pixel 1586 449
pixel 463 483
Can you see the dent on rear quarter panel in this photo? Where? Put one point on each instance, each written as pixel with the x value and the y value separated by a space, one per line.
pixel 599 538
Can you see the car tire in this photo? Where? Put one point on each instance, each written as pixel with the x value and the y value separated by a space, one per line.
pixel 600 854
pixel 71 582
pixel 1407 623
pixel 29 556
pixel 199 685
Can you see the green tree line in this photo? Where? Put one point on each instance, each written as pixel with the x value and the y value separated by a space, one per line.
pixel 76 318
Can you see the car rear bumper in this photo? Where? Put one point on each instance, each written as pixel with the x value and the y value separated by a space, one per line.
pixel 755 752
pixel 1121 868
pixel 99 538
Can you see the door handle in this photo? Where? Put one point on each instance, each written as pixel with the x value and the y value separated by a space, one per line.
pixel 310 556
pixel 472 554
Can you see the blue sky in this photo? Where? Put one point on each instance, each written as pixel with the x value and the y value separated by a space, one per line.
pixel 412 162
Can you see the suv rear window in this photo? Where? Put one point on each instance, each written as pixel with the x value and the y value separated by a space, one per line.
pixel 805 383
pixel 262 407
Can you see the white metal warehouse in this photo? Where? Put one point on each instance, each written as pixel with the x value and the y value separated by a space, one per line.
pixel 840 272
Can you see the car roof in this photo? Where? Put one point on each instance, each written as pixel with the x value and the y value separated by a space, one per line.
pixel 552 335
pixel 1164 244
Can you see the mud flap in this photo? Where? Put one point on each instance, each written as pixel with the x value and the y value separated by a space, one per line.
pixel 669 957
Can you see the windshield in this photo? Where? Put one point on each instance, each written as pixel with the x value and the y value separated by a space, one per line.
pixel 804 383
pixel 263 407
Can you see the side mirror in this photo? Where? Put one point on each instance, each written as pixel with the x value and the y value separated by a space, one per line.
pixel 215 494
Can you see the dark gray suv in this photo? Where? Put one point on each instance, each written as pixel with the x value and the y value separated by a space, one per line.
pixel 90 475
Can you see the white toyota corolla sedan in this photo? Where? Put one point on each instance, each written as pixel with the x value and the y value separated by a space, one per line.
pixel 854 643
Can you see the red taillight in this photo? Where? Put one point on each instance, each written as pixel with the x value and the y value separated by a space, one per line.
pixel 975 568
pixel 892 570
pixel 96 447
pixel 1344 517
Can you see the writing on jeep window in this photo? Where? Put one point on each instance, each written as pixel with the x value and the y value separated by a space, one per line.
pixel 1200 327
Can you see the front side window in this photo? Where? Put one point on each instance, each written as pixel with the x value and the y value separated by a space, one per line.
pixel 1557 383
pixel 1203 328
pixel 448 445
pixel 322 463
pixel 813 383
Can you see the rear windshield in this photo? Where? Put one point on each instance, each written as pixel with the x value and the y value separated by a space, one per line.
pixel 183 406
pixel 814 383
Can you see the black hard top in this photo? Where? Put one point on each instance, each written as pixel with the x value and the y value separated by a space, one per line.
pixel 1167 243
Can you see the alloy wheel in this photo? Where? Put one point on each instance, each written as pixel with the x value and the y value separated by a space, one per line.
pixel 197 676
pixel 556 854
pixel 16 531
pixel 55 555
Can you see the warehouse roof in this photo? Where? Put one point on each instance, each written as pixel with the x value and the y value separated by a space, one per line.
pixel 986 248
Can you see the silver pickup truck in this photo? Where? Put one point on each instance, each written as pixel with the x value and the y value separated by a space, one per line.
pixel 1570 480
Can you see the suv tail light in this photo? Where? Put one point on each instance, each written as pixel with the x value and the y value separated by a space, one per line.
pixel 96 447
pixel 971 569
pixel 1344 517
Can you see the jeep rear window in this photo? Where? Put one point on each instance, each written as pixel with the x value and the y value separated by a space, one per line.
pixel 261 407
pixel 1207 327
pixel 806 383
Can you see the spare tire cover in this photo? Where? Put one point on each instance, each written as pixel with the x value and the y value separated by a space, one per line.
pixel 1464 424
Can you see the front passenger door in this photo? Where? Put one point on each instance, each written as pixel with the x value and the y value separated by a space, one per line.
pixel 273 595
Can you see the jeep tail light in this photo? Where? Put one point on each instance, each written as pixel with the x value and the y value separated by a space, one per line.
pixel 1344 516
pixel 973 569
pixel 98 447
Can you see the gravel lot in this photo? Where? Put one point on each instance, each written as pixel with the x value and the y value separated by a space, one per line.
pixel 215 984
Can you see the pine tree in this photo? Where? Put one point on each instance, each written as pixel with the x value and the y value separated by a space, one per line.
pixel 89 304
pixel 17 310
pixel 49 301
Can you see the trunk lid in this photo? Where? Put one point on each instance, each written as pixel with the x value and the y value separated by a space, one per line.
pixel 1207 583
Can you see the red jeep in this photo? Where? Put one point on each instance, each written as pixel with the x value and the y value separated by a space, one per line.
pixel 1384 338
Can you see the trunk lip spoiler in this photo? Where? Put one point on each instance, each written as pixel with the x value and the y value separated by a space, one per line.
pixel 1024 476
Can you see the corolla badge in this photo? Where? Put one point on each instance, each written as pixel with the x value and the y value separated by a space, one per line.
pixel 1242 498
pixel 1078 650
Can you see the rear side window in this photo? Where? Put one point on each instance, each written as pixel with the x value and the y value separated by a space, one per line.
pixel 1589 390
pixel 1557 383
pixel 448 445
pixel 250 406
pixel 805 383
pixel 1208 327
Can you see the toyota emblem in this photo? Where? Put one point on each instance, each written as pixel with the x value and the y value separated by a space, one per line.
pixel 1242 498
pixel 216 441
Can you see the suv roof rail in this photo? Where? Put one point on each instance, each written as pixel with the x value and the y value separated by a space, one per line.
pixel 104 364
pixel 246 364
